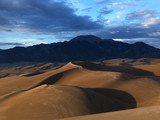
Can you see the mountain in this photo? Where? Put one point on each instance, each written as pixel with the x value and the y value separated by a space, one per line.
pixel 81 48
pixel 88 38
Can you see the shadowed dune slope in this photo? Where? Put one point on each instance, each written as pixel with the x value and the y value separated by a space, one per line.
pixel 45 103
pixel 152 68
pixel 76 75
pixel 26 70
pixel 145 89
pixel 9 85
pixel 123 69
pixel 49 102
pixel 131 62
pixel 97 89
pixel 147 113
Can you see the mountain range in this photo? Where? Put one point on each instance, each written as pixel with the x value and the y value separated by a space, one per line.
pixel 80 48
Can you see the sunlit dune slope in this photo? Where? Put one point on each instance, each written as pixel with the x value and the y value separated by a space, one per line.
pixel 49 102
pixel 25 69
pixel 147 113
pixel 145 89
pixel 122 69
pixel 45 103
pixel 76 75
pixel 152 68
pixel 9 85
pixel 98 89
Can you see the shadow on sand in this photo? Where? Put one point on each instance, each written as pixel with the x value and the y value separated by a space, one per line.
pixel 108 100
pixel 123 69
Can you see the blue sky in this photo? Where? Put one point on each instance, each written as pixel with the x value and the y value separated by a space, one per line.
pixel 28 22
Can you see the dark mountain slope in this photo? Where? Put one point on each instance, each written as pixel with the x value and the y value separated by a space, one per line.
pixel 81 48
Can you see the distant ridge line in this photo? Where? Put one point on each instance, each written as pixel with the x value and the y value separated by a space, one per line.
pixel 80 48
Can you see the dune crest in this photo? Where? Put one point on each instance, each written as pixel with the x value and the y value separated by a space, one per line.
pixel 152 68
pixel 63 101
pixel 77 89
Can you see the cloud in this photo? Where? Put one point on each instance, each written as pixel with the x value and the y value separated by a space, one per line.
pixel 121 4
pixel 131 31
pixel 87 9
pixel 123 32
pixel 142 14
pixel 151 41
pixel 144 29
pixel 109 22
pixel 153 22
pixel 155 34
pixel 5 30
pixel 105 11
pixel 120 12
pixel 30 42
pixel 102 1
pixel 60 20
pixel 7 45
pixel 10 43
pixel 42 16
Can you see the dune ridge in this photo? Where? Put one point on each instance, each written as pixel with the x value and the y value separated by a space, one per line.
pixel 152 68
pixel 77 89
pixel 57 99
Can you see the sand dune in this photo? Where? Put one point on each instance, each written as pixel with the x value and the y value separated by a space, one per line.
pixel 148 113
pixel 122 69
pixel 98 88
pixel 152 68
pixel 137 86
pixel 45 103
pixel 27 69
pixel 9 85
pixel 52 102
pixel 131 62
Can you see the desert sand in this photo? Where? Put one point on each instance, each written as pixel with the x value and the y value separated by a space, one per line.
pixel 148 113
pixel 152 68
pixel 78 89
pixel 131 62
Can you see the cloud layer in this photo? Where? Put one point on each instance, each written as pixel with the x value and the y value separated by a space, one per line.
pixel 142 14
pixel 45 16
pixel 112 19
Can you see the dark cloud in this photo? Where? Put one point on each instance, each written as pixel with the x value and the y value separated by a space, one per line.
pixel 10 43
pixel 105 11
pixel 144 29
pixel 7 45
pixel 136 32
pixel 87 9
pixel 147 29
pixel 51 17
pixel 43 16
pixel 5 30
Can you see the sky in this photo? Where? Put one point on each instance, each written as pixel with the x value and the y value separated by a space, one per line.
pixel 30 22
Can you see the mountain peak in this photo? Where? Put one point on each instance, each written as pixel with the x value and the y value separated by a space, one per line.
pixel 88 38
pixel 141 44
pixel 81 48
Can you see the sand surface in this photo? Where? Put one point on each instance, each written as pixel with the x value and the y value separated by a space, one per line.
pixel 78 89
pixel 152 68
pixel 148 113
